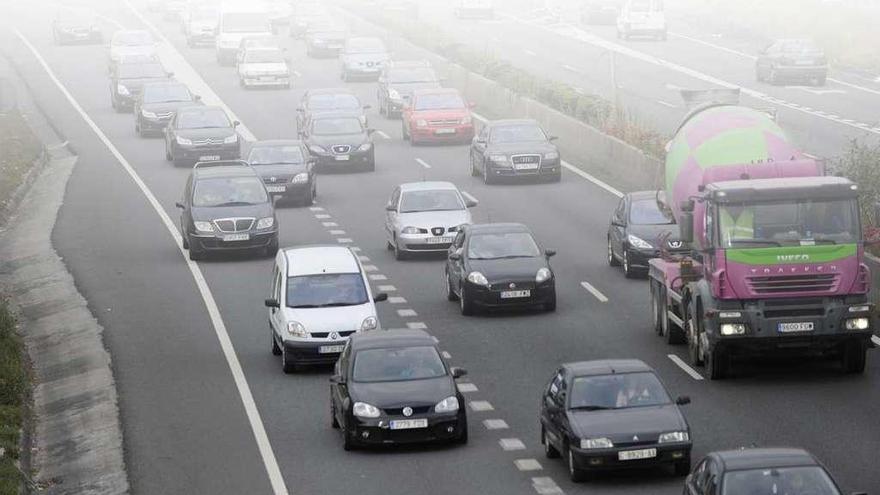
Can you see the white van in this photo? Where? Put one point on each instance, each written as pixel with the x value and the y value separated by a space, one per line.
pixel 642 18
pixel 320 296
pixel 235 23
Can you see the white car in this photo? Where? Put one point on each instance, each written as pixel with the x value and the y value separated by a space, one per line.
pixel 425 217
pixel 263 67
pixel 131 44
pixel 320 297
pixel 642 18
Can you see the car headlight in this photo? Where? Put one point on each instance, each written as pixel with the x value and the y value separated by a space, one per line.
pixel 498 158
pixel 733 329
pixel 409 230
pixel 857 324
pixel 364 410
pixel 122 90
pixel 674 436
pixel 478 278
pixel 301 178
pixel 551 155
pixel 449 404
pixel 184 141
pixel 393 94
pixel 314 148
pixel 148 114
pixel 203 226
pixel 638 242
pixel 543 275
pixel 370 323
pixel 266 223
pixel 466 120
pixel 365 147
pixel 297 329
pixel 421 123
pixel 596 443
pixel 231 139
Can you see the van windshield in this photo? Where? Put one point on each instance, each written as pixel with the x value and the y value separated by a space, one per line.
pixel 326 290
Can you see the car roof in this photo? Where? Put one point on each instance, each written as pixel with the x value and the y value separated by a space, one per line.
pixel 329 91
pixel 606 367
pixel 756 458
pixel 436 91
pixel 639 195
pixel 220 171
pixel 483 228
pixel 505 122
pixel 265 143
pixel 200 109
pixel 427 186
pixel 396 338
pixel 320 259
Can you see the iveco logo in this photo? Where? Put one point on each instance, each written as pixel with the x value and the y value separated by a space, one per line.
pixel 334 335
pixel 789 258
pixel 407 411
pixel 675 244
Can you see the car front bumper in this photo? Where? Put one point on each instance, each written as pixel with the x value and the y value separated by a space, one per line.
pixel 463 133
pixel 539 294
pixel 214 242
pixel 289 190
pixel 441 427
pixel 547 168
pixel 355 159
pixel 309 352
pixel 602 459
pixel 266 80
pixel 196 154
pixel 426 243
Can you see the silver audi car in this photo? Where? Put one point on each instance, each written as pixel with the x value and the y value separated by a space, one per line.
pixel 424 217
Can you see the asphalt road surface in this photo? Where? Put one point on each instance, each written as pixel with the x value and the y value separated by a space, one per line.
pixel 202 414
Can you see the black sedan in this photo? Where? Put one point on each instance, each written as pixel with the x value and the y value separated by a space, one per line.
pixel 76 29
pixel 398 81
pixel 792 60
pixel 514 148
pixel 499 265
pixel 324 41
pixel 393 388
pixel 225 207
pixel 639 225
pixel 286 168
pixel 201 134
pixel 157 103
pixel 127 81
pixel 329 100
pixel 761 470
pixel 341 141
pixel 613 414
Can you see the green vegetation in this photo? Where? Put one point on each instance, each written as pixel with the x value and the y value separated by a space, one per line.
pixel 861 164
pixel 13 391
pixel 18 150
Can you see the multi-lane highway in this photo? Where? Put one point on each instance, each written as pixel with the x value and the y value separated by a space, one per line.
pixel 205 406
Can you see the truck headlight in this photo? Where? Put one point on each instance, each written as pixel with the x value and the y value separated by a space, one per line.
pixel 478 278
pixel 674 436
pixel 122 90
pixel 203 226
pixel 857 324
pixel 265 223
pixel 370 323
pixel 449 404
pixel 184 141
pixel 596 443
pixel 543 275
pixel 733 329
pixel 297 329
pixel 301 178
pixel 231 139
pixel 638 242
pixel 364 410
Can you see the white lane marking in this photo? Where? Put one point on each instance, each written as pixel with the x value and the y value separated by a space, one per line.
pixel 467 388
pixel 423 163
pixel 416 325
pixel 435 339
pixel 406 313
pixel 322 216
pixel 667 104
pixel 371 268
pixel 545 485
pixel 530 53
pixel 355 249
pixel 495 424
pixel 594 291
pixel 509 444
pixel 337 232
pixel 344 240
pixel 383 134
pixel 316 208
pixel 330 224
pixel 396 300
pixel 377 276
pixel 481 406
pixel 387 288
pixel 820 92
pixel 876 340
pixel 241 384
pixel 446 355
pixel 527 465
pixel 363 258
pixel 469 197
pixel 685 367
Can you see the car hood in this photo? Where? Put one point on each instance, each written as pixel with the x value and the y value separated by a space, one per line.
pixel 208 214
pixel 524 147
pixel 407 89
pixel 280 170
pixel 514 269
pixel 211 132
pixel 652 233
pixel 202 25
pixel 428 219
pixel 118 52
pixel 336 319
pixel 138 83
pixel 412 393
pixel 354 112
pixel 166 106
pixel 620 425
pixel 270 68
pixel 353 140
pixel 366 57
pixel 449 114
pixel 329 37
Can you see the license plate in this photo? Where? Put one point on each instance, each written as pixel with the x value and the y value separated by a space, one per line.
pixel 633 455
pixel 275 189
pixel 513 294
pixel 445 131
pixel 236 237
pixel 408 424
pixel 804 326
pixel 209 158
pixel 525 166
pixel 342 158
pixel 439 240
pixel 330 349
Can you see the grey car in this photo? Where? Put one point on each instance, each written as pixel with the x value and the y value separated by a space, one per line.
pixel 514 148
pixel 424 217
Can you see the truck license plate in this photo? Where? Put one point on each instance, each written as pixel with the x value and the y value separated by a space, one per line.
pixel 803 326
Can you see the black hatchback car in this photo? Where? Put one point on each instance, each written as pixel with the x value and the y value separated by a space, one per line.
pixel 225 207
pixel 792 60
pixel 394 388
pixel 201 134
pixel 638 226
pixel 514 148
pixel 157 103
pixel 287 169
pixel 499 265
pixel 127 81
pixel 341 141
pixel 761 470
pixel 613 414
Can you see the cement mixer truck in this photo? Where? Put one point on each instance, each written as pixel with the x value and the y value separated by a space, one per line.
pixel 776 265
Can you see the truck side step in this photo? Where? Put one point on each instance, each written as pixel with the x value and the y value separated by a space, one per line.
pixel 675 296
pixel 675 319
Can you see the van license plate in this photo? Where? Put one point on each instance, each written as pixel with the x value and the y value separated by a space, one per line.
pixel 803 326
pixel 236 237
pixel 330 349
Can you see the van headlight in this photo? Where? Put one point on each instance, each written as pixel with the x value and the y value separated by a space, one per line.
pixel 297 329
pixel 543 275
pixel 449 404
pixel 733 329
pixel 364 410
pixel 478 278
pixel 370 323
pixel 674 437
pixel 203 226
pixel 857 324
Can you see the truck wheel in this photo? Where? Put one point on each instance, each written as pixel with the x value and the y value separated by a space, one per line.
pixel 717 363
pixel 656 313
pixel 612 261
pixel 683 467
pixel 694 327
pixel 854 357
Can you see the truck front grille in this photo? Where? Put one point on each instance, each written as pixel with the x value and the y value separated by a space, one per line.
pixel 793 283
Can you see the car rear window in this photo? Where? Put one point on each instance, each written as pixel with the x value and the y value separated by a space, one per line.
pixel 270 155
pixel 398 364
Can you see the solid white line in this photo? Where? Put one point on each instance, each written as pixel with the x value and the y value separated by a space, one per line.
pixel 383 134
pixel 468 196
pixel 446 355
pixel 667 104
pixel 423 163
pixel 596 293
pixel 241 384
pixel 387 288
pixel 684 366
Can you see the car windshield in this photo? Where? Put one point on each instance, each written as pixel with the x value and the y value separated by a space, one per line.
pixel 439 200
pixel 617 391
pixel 499 245
pixel 517 134
pixel 397 364
pixel 229 191
pixel 789 223
pixel 439 102
pixel 166 94
pixel 245 22
pixel 203 120
pixel 328 34
pixel 411 75
pixel 271 155
pixel 132 38
pixel 140 71
pixel 799 480
pixel 334 127
pixel 263 57
pixel 334 102
pixel 365 45
pixel 204 14
pixel 646 212
pixel 803 47
pixel 326 290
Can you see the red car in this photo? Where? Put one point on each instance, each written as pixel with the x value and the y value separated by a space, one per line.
pixel 437 116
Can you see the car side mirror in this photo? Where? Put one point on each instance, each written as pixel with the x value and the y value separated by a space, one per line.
pixel 338 379
pixel 457 372
pixel 197 97
pixel 272 303
pixel 470 203
pixel 179 205
pixel 367 107
pixel 552 138
pixel 235 123
pixel 371 131
pixel 390 207
pixel 549 253
pixel 683 400
pixel 455 256
pixel 380 297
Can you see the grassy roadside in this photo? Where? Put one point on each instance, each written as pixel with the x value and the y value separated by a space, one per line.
pixel 18 150
pixel 13 391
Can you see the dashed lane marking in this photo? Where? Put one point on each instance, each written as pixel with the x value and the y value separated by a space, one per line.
pixel 685 367
pixel 509 444
pixel 528 464
pixel 406 313
pixel 363 258
pixel 322 216
pixel 423 163
pixel 383 134
pixel 371 268
pixel 377 277
pixel 545 485
pixel 387 288
pixel 495 424
pixel 594 291
pixel 316 208
pixel 480 406
pixel 330 224
pixel 446 355
pixel 416 325
pixel 468 196
pixel 355 249
pixel 337 232
pixel 344 240
pixel 396 300
pixel 466 388
pixel 667 104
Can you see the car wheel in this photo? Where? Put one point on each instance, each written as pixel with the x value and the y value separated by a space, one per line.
pixel 403 132
pixel 854 357
pixel 550 305
pixel 370 166
pixel 576 474
pixel 179 162
pixel 309 198
pixel 820 81
pixel 196 255
pixel 270 250
pixel 334 423
pixel 399 254
pixel 549 450
pixel 612 260
pixel 168 156
pixel 487 177
pixel 450 294
pixel 774 77
pixel 474 170
pixel 628 270
pixel 462 438
pixel 683 467
pixel 185 241
pixel 348 441
pixel 466 305
pixel 276 351
pixel 287 363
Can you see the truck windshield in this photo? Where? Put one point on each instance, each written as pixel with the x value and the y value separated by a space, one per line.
pixel 786 223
